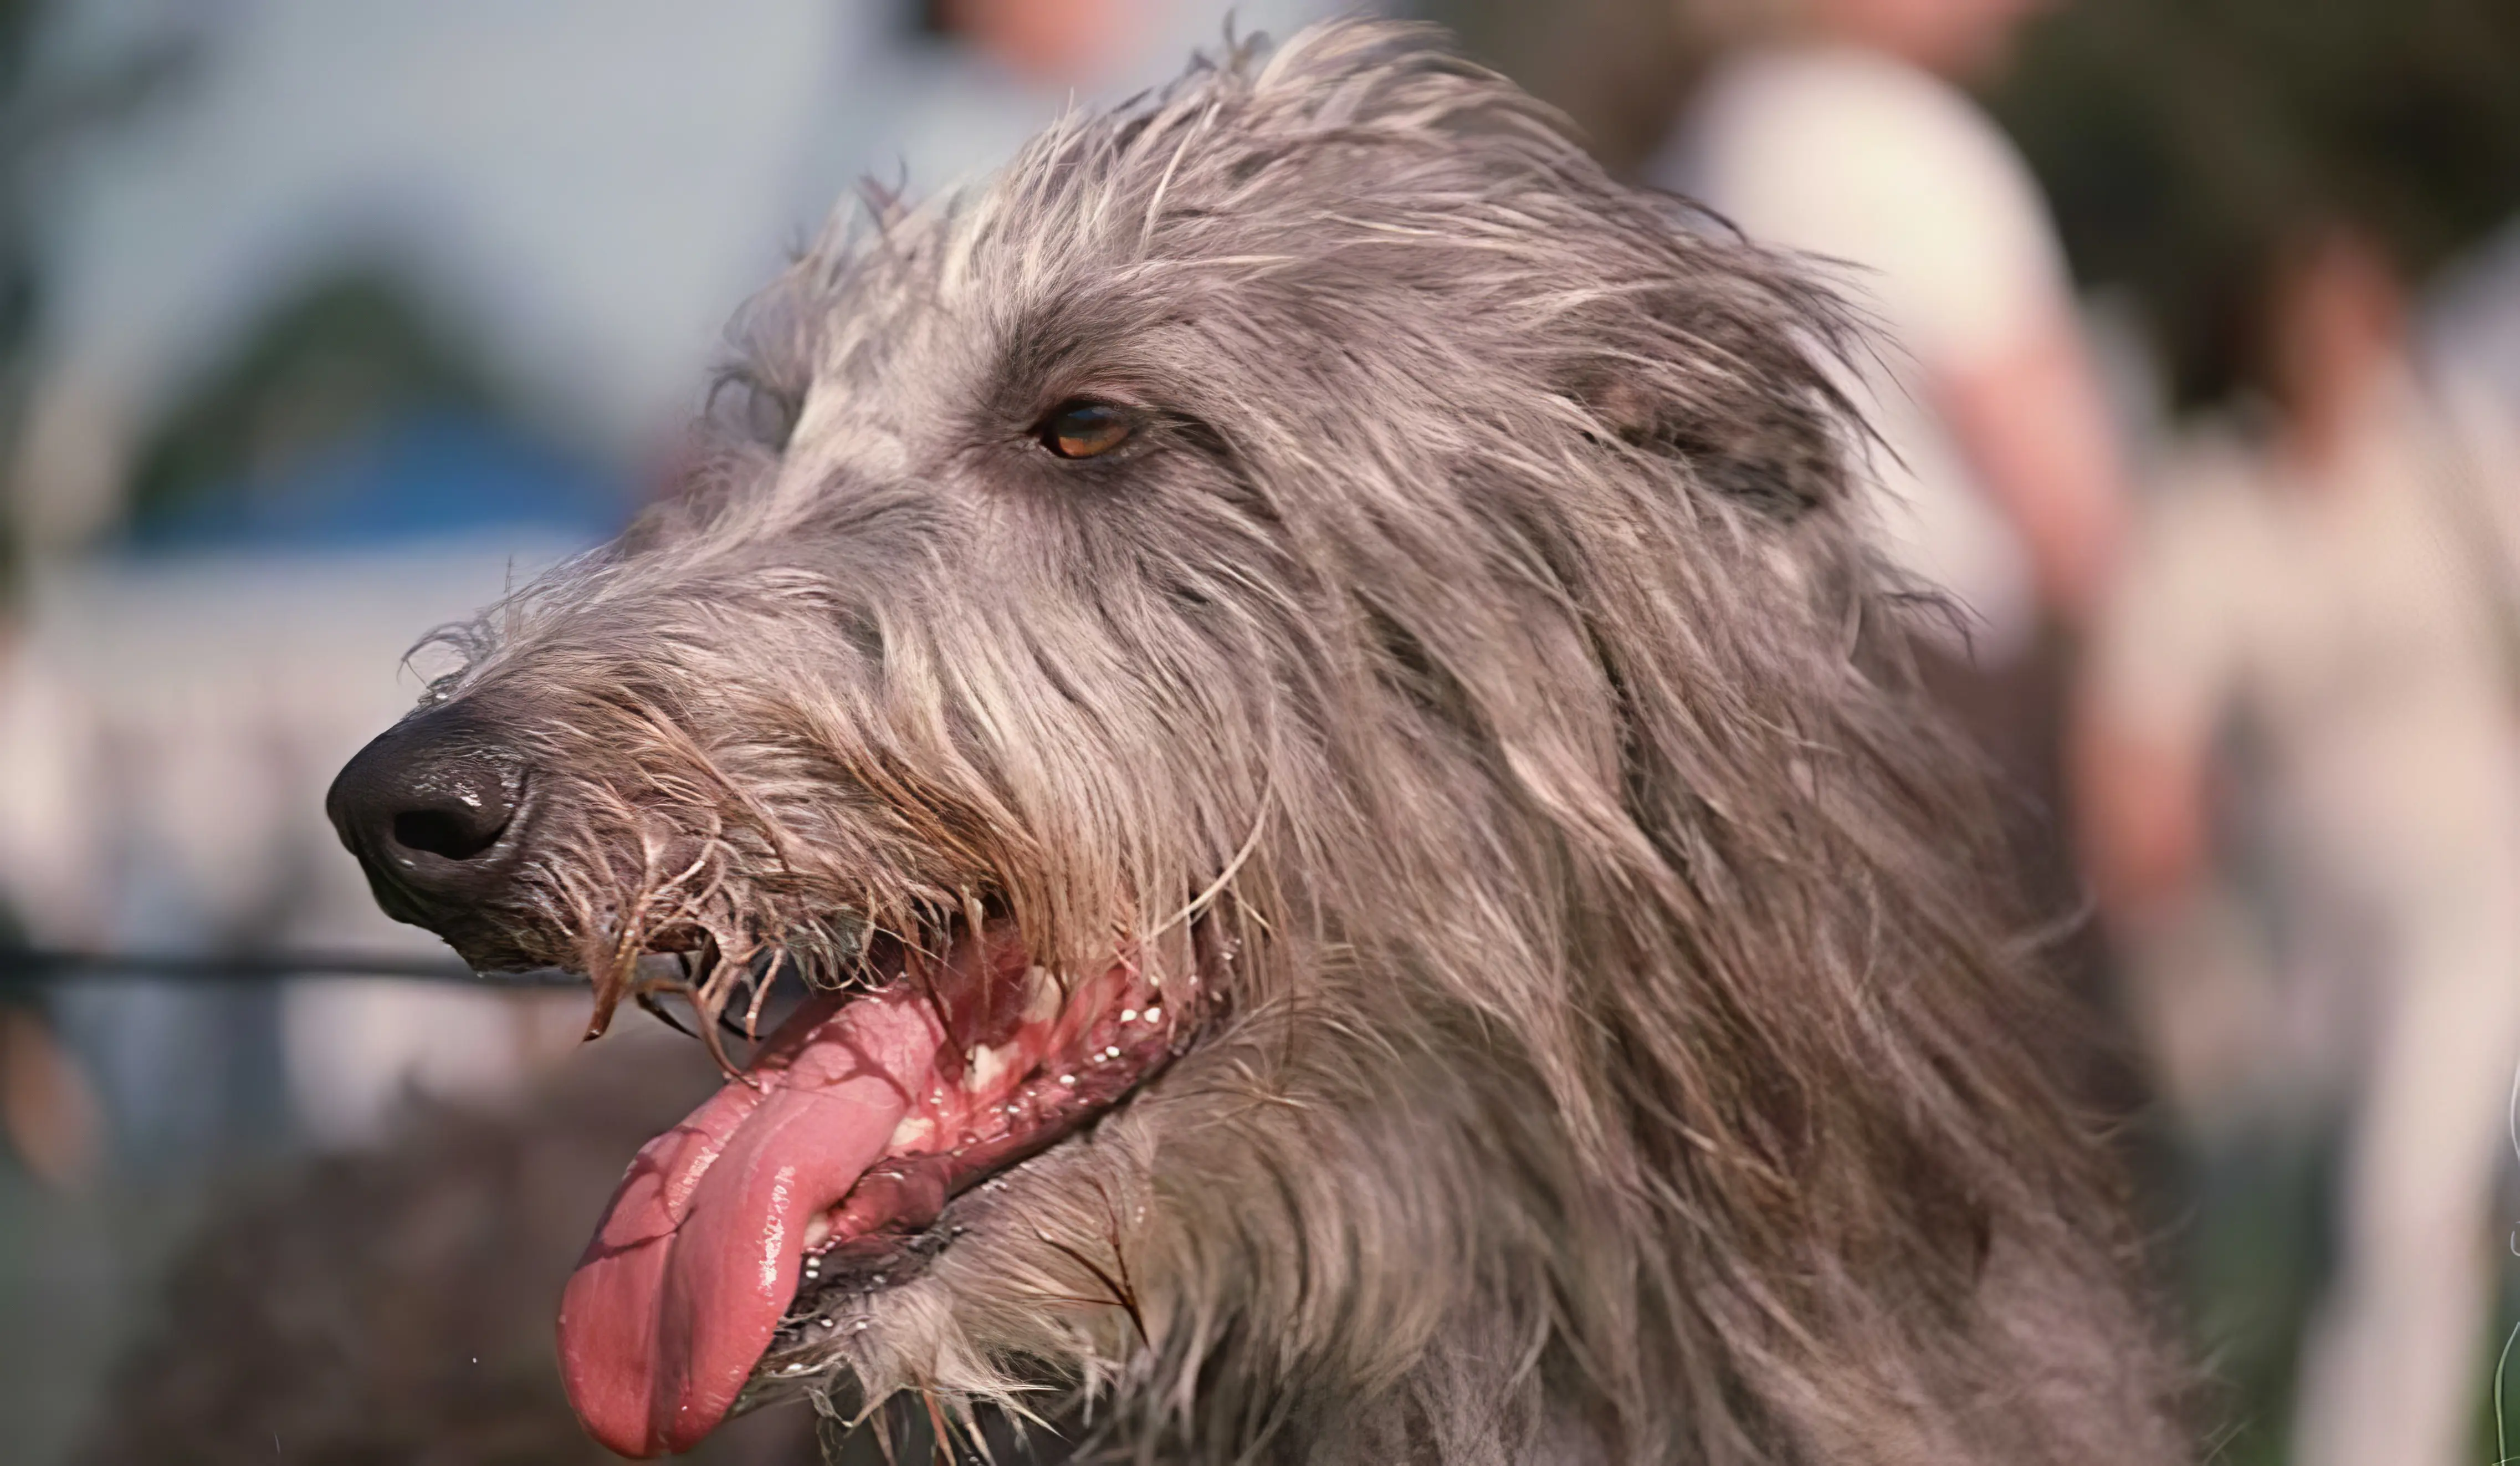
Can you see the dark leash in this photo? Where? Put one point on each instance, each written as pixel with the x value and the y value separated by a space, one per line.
pixel 24 968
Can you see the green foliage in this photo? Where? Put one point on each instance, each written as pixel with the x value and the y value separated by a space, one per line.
pixel 40 111
pixel 2179 139
pixel 341 356
pixel 16 246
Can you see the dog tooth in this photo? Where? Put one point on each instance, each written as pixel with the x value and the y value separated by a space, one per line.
pixel 1067 1079
pixel 912 1131
pixel 1042 997
pixel 816 1229
pixel 1155 1015
pixel 985 1066
pixel 1128 1015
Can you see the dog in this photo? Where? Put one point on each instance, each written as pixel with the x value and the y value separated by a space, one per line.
pixel 1297 679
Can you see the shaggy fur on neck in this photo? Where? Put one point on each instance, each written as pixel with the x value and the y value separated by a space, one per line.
pixel 1624 1055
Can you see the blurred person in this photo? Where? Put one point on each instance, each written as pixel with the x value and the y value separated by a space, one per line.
pixel 2332 583
pixel 935 93
pixel 1837 128
pixel 1056 42
pixel 949 95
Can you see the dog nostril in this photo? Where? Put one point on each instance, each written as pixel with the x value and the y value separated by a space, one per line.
pixel 428 795
pixel 455 834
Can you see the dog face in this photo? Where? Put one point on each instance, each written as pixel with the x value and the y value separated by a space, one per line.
pixel 1264 671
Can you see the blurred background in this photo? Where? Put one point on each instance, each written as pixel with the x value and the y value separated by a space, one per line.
pixel 321 325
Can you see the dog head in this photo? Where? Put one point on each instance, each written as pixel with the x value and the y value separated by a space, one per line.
pixel 1294 678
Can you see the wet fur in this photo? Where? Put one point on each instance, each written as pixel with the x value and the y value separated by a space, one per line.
pixel 1628 1055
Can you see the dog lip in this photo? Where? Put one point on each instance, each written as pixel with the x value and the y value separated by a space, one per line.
pixel 867 1262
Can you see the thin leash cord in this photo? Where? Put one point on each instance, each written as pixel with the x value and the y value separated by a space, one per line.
pixel 2503 1362
pixel 2501 1440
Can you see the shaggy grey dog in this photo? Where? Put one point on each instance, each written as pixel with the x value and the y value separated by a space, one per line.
pixel 1297 677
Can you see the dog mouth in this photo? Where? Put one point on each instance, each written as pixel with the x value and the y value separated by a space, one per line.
pixel 829 1157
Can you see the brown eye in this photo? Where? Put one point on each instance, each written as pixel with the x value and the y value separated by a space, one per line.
pixel 1082 430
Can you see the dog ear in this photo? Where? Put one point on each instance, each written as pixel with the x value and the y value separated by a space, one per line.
pixel 1781 457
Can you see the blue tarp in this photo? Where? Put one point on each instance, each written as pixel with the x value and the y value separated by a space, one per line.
pixel 426 474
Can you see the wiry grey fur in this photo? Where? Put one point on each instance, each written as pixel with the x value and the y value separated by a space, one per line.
pixel 1626 1058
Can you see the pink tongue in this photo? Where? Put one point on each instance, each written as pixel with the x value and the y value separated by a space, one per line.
pixel 696 1261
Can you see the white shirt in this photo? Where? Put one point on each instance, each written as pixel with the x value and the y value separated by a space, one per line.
pixel 2352 619
pixel 1923 213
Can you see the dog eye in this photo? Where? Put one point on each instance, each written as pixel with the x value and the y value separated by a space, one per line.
pixel 1082 430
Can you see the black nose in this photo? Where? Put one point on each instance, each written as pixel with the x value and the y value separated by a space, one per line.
pixel 431 808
